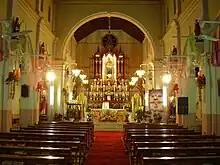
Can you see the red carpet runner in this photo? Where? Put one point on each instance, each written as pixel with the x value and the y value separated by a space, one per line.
pixel 107 149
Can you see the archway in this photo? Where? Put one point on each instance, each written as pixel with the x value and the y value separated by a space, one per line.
pixel 108 14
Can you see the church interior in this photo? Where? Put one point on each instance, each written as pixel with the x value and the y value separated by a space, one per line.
pixel 100 82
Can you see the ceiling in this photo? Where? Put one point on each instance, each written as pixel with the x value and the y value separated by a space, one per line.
pixel 103 23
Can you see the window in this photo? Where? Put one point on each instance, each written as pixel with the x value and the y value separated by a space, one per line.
pixel 42 5
pixel 174 6
pixel 168 16
pixel 49 13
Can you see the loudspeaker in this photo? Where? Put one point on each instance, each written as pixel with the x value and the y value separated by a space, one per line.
pixel 183 106
pixel 24 90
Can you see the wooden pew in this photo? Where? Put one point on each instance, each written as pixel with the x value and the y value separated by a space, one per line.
pixel 171 137
pixel 190 160
pixel 60 130
pixel 176 144
pixel 175 152
pixel 161 142
pixel 77 151
pixel 33 160
pixel 68 125
pixel 88 139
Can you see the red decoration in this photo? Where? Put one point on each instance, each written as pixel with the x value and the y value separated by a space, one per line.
pixel 176 88
pixel 41 85
pixel 201 81
pixel 17 74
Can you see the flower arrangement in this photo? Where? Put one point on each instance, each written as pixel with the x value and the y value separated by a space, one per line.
pixel 108 115
pixel 127 107
pixel 157 117
pixel 201 81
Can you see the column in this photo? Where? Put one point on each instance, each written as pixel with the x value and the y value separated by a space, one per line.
pixel 206 111
pixel 26 102
pixel 50 112
pixel 36 107
pixel 189 120
pixel 58 91
pixel 6 108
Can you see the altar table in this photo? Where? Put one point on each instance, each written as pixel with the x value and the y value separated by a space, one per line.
pixel 108 115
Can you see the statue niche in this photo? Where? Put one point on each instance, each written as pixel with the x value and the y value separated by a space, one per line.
pixel 109 67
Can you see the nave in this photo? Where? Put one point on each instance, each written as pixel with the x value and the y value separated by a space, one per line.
pixel 77 143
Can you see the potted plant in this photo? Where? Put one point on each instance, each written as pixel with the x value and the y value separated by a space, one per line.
pixel 128 116
pixel 157 117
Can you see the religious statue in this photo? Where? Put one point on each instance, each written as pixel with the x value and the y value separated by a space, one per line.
pixel 42 49
pixel 82 99
pixel 109 66
pixel 136 102
pixel 16 25
pixel 174 51
pixel 197 29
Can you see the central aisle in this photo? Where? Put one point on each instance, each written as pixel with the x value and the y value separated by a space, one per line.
pixel 107 149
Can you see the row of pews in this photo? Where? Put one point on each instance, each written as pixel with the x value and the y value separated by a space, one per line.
pixel 47 143
pixel 169 144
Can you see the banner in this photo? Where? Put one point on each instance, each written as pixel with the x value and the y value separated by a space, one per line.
pixel 156 99
pixel 216 53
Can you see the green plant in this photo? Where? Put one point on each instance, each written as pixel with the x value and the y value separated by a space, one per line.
pixel 58 117
pixel 157 117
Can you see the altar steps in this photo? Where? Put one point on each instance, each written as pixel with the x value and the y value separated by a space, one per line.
pixel 108 126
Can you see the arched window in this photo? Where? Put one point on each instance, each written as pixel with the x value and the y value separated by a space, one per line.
pixel 42 5
pixel 49 13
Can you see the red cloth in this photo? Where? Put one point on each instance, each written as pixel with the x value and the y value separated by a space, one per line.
pixel 107 149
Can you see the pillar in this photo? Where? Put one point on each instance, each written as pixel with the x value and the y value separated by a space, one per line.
pixel 189 120
pixel 58 90
pixel 36 103
pixel 50 112
pixel 6 108
pixel 207 106
pixel 26 103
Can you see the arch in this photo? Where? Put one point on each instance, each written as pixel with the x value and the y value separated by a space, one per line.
pixel 107 14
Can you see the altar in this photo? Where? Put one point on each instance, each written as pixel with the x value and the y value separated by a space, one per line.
pixel 108 115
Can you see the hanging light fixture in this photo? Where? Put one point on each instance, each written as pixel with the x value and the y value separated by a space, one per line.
pixel 85 81
pixel 140 73
pixel 51 76
pixel 76 72
pixel 82 76
pixel 134 79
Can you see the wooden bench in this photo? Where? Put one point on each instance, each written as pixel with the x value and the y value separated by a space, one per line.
pixel 85 131
pixel 67 125
pixel 150 145
pixel 33 160
pixel 189 160
pixel 171 137
pixel 78 152
pixel 87 138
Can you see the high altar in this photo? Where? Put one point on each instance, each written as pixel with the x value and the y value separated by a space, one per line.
pixel 108 91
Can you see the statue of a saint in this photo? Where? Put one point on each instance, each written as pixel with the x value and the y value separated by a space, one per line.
pixel 16 26
pixel 109 66
pixel 174 51
pixel 42 49
pixel 197 29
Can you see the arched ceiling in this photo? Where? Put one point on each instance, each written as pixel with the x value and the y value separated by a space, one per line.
pixel 103 23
